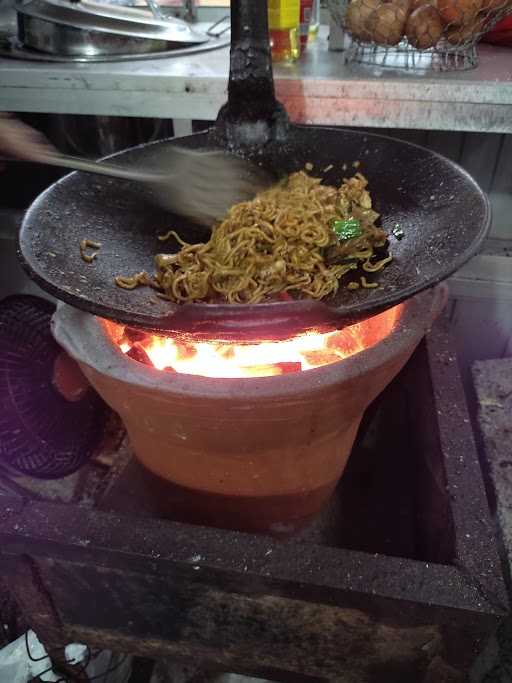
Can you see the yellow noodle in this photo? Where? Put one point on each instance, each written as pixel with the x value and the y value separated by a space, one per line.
pixel 168 235
pixel 89 244
pixel 172 233
pixel 134 281
pixel 378 265
pixel 278 242
pixel 367 285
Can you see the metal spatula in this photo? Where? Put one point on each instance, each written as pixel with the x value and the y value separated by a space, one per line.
pixel 201 186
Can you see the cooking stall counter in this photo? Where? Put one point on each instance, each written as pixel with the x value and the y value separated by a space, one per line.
pixel 432 591
pixel 318 89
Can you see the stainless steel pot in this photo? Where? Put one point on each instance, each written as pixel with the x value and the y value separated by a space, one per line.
pixel 87 29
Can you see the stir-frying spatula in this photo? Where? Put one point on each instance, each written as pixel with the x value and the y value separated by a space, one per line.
pixel 200 185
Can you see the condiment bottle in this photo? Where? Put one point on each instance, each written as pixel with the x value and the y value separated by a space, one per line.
pixel 283 24
pixel 306 8
pixel 314 24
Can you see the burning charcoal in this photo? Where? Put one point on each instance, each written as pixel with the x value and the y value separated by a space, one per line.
pixel 185 350
pixel 287 368
pixel 320 357
pixel 169 369
pixel 135 335
pixel 226 351
pixel 137 353
pixel 347 342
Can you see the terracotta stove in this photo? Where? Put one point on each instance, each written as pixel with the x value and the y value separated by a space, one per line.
pixel 253 436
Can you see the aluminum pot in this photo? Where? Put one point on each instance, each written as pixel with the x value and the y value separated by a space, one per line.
pixel 60 28
pixel 258 454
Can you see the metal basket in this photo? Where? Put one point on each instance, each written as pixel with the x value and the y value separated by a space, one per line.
pixel 438 35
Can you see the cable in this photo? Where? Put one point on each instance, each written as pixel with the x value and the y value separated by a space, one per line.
pixel 82 665
pixel 27 646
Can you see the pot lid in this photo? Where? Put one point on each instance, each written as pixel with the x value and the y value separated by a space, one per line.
pixel 114 19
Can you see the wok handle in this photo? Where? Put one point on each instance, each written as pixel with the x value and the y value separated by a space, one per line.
pixel 252 116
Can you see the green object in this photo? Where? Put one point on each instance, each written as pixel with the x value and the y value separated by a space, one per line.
pixel 347 229
pixel 398 232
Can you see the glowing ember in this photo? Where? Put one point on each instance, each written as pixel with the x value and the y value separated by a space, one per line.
pixel 254 359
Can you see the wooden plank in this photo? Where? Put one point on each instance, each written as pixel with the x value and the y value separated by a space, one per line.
pixel 482 317
pixel 263 633
pixel 482 329
pixel 488 267
pixel 479 156
pixel 480 290
pixel 508 348
pixel 447 143
pixel 486 276
pixel 493 385
pixel 493 390
pixel 478 153
pixel 501 191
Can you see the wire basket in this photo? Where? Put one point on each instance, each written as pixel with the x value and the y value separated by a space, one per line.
pixel 42 434
pixel 438 35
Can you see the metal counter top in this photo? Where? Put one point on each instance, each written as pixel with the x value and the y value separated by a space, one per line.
pixel 320 89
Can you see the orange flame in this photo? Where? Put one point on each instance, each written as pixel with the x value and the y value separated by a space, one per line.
pixel 253 359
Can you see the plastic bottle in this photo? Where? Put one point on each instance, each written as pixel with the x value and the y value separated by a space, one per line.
pixel 315 21
pixel 283 23
pixel 306 8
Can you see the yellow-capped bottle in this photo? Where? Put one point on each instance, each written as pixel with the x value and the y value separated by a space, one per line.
pixel 283 24
pixel 315 21
pixel 314 24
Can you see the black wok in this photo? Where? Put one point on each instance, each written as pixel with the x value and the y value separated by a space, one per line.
pixel 443 213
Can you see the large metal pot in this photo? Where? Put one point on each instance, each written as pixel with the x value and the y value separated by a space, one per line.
pixel 91 30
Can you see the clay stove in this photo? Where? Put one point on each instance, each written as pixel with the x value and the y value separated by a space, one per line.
pixel 402 583
pixel 251 436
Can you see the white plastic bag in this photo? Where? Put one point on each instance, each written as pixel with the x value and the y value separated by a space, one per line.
pixel 26 658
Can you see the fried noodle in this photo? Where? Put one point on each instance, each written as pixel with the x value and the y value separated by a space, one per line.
pixel 281 241
pixel 89 244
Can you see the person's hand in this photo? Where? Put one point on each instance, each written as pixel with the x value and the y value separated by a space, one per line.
pixel 19 141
